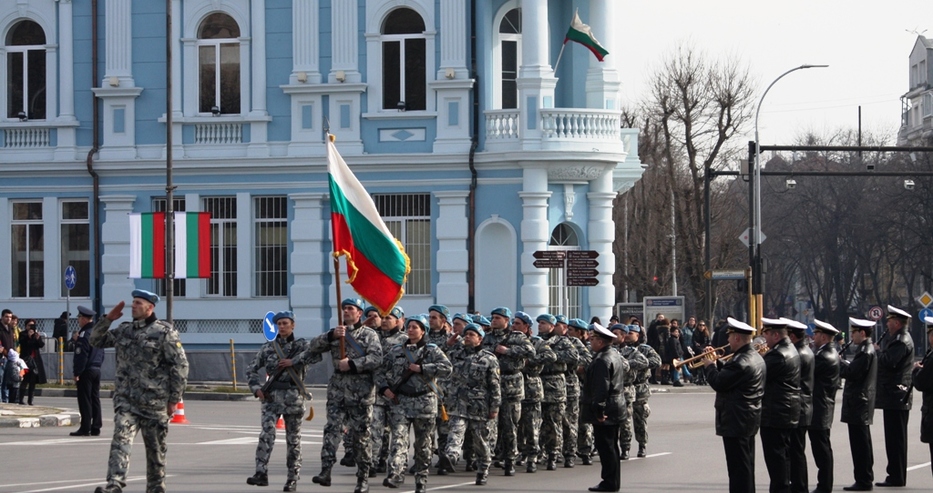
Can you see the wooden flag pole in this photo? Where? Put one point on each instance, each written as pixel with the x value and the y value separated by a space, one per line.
pixel 343 344
pixel 557 64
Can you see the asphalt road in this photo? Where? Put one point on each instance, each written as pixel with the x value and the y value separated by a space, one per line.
pixel 215 454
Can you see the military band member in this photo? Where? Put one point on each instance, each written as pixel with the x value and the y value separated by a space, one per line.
pixel 530 421
pixel 780 407
pixel 923 381
pixel 797 451
pixel 285 361
pixel 602 403
pixel 858 401
pixel 894 397
pixel 408 380
pixel 825 385
pixel 475 397
pixel 151 375
pixel 574 376
pixel 350 392
pixel 637 363
pixel 554 381
pixel 640 408
pixel 513 349
pixel 390 335
pixel 739 386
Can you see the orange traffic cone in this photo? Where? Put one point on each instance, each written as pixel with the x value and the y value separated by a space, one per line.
pixel 280 424
pixel 179 416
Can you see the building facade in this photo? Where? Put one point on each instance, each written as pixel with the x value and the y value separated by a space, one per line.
pixel 917 103
pixel 448 111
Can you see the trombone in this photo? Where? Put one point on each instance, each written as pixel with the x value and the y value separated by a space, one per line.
pixel 697 361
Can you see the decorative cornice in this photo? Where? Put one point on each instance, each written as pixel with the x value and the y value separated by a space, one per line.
pixel 583 172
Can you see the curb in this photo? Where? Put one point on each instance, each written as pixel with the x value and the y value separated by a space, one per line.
pixel 65 418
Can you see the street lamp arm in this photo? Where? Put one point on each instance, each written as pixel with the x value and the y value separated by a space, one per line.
pixel 760 101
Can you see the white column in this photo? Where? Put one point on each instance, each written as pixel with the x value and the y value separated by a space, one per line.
pixel 344 15
pixel 66 59
pixel 258 36
pixel 602 78
pixel 179 50
pixel 309 261
pixel 452 257
pixel 536 80
pixel 115 243
pixel 535 232
pixel 306 31
pixel 118 43
pixel 244 237
pixel 454 38
pixel 601 233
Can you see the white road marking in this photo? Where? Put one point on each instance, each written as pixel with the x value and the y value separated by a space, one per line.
pixel 55 441
pixel 649 456
pixel 82 486
pixel 918 466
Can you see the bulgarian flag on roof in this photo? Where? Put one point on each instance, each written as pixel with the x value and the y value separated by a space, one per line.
pixel 581 33
pixel 192 245
pixel 376 262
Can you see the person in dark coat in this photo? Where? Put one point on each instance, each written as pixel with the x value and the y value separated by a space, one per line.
pixel 923 381
pixel 60 331
pixel 673 352
pixel 86 369
pixel 895 362
pixel 825 385
pixel 797 332
pixel 30 342
pixel 739 386
pixel 780 408
pixel 701 339
pixel 602 403
pixel 858 402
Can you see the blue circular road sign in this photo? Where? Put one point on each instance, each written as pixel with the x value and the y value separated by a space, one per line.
pixel 926 312
pixel 71 277
pixel 269 329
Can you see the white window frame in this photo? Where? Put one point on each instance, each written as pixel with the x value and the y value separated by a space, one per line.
pixel 82 279
pixel 195 13
pixel 256 221
pixel 216 44
pixel 497 39
pixel 9 17
pixel 27 223
pixel 222 223
pixel 398 224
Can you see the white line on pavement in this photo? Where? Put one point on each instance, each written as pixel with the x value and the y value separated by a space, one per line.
pixel 73 486
pixel 918 466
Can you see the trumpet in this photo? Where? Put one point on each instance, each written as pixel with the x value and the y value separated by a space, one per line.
pixel 697 361
pixel 760 347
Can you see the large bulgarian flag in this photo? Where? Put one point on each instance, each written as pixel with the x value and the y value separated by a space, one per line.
pixel 192 245
pixel 581 33
pixel 376 262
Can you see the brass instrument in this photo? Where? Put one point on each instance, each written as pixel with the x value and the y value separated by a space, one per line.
pixel 697 361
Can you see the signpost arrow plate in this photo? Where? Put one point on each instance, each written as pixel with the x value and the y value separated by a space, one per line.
pixel 721 275
pixel 582 264
pixel 269 329
pixel 549 263
pixel 549 254
pixel 582 281
pixel 582 254
pixel 582 272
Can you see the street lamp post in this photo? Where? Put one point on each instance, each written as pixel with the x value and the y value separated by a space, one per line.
pixel 754 246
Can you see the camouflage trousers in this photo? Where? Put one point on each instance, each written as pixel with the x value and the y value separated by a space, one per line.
pixel 357 419
pixel 400 426
pixel 267 441
pixel 154 431
pixel 476 430
pixel 640 414
pixel 380 436
pixel 529 429
pixel 442 427
pixel 625 431
pixel 506 430
pixel 585 443
pixel 552 434
pixel 570 421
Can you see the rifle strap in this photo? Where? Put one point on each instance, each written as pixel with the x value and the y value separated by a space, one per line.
pixel 428 381
pixel 354 344
pixel 291 370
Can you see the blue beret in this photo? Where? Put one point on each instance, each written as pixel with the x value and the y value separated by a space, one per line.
pixel 397 312
pixel 623 328
pixel 475 328
pixel 547 317
pixel 85 311
pixel 280 315
pixel 462 316
pixel 481 320
pixel 503 311
pixel 146 295
pixel 352 302
pixel 579 324
pixel 634 328
pixel 561 319
pixel 421 319
pixel 524 317
pixel 440 309
pixel 370 309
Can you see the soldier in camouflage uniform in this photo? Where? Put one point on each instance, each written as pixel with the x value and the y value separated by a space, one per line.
pixel 529 427
pixel 350 392
pixel 151 375
pixel 438 334
pixel 286 355
pixel 585 441
pixel 571 424
pixel 640 409
pixel 408 379
pixel 637 364
pixel 473 397
pixel 513 349
pixel 391 336
pixel 554 380
pixel 373 320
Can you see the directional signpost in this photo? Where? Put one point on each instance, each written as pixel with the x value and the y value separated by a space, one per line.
pixel 581 268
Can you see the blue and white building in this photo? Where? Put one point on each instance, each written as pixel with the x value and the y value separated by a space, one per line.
pixel 474 170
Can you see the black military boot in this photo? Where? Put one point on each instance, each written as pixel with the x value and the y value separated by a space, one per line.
pixel 323 478
pixel 568 461
pixel 421 487
pixel 258 479
pixel 392 482
pixel 290 485
pixel 362 485
pixel 509 467
pixel 586 460
pixel 551 462
pixel 622 456
pixel 641 450
pixel 348 461
pixel 470 466
pixel 531 466
pixel 381 466
pixel 481 478
pixel 110 488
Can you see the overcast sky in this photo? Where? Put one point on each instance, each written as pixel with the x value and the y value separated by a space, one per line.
pixel 865 44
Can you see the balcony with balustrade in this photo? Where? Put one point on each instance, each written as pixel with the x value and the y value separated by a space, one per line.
pixel 557 129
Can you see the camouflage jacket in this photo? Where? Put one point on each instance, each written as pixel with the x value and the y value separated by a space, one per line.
pixel 152 369
pixel 511 363
pixel 574 373
pixel 438 338
pixel 554 374
pixel 637 363
pixel 642 390
pixel 534 388
pixel 285 397
pixel 354 387
pixel 417 397
pixel 389 340
pixel 475 389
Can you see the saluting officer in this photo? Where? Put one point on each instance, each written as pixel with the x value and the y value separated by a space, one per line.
pixel 895 362
pixel 797 332
pixel 530 422
pixel 285 361
pixel 554 380
pixel 858 401
pixel 825 385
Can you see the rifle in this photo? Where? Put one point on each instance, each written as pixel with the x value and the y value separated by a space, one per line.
pixel 406 375
pixel 266 387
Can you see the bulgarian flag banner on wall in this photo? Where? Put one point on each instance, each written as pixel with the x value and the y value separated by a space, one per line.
pixel 376 262
pixel 192 245
pixel 581 33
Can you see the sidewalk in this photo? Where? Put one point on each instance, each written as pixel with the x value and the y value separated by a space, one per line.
pixel 19 416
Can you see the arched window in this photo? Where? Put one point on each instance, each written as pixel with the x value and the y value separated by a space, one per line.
pixel 510 58
pixel 26 77
pixel 404 55
pixel 564 299
pixel 219 65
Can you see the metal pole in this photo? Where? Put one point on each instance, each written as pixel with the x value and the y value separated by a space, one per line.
pixel 708 219
pixel 169 187
pixel 673 245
